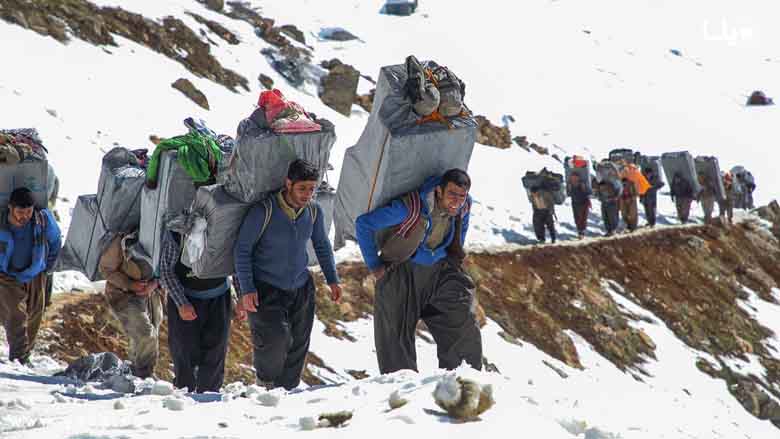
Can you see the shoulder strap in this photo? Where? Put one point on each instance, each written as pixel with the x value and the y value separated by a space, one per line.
pixel 414 208
pixel 269 206
pixel 313 212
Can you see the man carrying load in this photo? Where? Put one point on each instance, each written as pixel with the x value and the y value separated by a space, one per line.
pixel 418 274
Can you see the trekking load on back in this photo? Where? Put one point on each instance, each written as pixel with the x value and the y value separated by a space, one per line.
pixel 607 170
pixel 395 153
pixel 632 173
pixel 709 167
pixel 681 163
pixel 116 208
pixel 434 91
pixel 85 241
pixel 758 97
pixel 263 150
pixel 622 155
pixel 744 185
pixel 400 7
pixel 545 180
pixel 214 221
pixel 23 163
pixel 577 165
pixel 650 162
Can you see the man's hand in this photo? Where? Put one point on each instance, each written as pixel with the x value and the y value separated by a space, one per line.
pixel 239 313
pixel 149 288
pixel 335 292
pixel 379 273
pixel 250 302
pixel 187 312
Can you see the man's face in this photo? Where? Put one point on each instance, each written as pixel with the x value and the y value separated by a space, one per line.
pixel 300 192
pixel 21 215
pixel 451 198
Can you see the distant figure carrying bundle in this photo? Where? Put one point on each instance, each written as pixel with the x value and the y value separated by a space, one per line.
pixel 682 195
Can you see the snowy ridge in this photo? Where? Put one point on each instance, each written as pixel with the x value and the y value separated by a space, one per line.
pixel 575 79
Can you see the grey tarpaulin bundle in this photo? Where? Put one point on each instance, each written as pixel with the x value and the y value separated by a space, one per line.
pixel 572 167
pixel 116 208
pixel 709 167
pixel 326 198
pixel 651 162
pixel 260 158
pixel 395 154
pixel 546 181
pixel 173 195
pixel 30 168
pixel 681 163
pixel 215 219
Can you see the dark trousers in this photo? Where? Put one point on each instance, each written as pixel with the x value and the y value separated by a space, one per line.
pixel 281 332
pixel 198 347
pixel 580 210
pixel 442 295
pixel 21 313
pixel 610 216
pixel 650 202
pixel 683 208
pixel 544 219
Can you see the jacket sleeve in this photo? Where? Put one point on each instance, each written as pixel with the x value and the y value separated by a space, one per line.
pixel 244 247
pixel 168 257
pixel 323 249
pixel 53 238
pixel 368 224
pixel 111 263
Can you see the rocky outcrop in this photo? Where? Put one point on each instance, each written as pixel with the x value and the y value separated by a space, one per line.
pixel 366 101
pixel 216 28
pixel 215 5
pixel 492 135
pixel 266 81
pixel 96 25
pixel 293 32
pixel 265 28
pixel 188 89
pixel 339 87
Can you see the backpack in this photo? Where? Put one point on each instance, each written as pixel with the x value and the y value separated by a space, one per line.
pixel 681 187
pixel 451 91
pixel 269 206
pixel 420 90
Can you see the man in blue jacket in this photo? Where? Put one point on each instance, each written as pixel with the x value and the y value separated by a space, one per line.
pixel 275 286
pixel 29 244
pixel 414 247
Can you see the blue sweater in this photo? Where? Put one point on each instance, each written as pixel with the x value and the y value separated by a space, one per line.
pixel 279 257
pixel 368 224
pixel 44 248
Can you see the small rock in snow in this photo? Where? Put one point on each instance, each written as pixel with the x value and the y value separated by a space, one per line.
pixel 396 401
pixel 403 418
pixel 174 404
pixel 120 384
pixel 268 399
pixel 57 398
pixel 223 424
pixel 119 405
pixel 162 388
pixel 307 423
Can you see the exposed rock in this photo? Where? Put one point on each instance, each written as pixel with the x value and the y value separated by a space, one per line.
pixel 215 5
pixel 335 420
pixel 366 101
pixel 758 97
pixel 492 135
pixel 266 81
pixel 756 401
pixel 96 25
pixel 329 64
pixel 396 401
pixel 337 34
pixel 522 142
pixel 540 149
pixel 462 398
pixel 217 28
pixel 189 90
pixel 293 32
pixel 339 88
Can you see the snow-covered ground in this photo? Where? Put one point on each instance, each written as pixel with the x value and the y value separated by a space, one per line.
pixel 578 77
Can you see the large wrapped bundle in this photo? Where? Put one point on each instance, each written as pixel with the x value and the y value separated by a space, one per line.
pixel 216 220
pixel 651 162
pixel 632 173
pixel 119 190
pixel 326 197
pixel 681 163
pixel 259 161
pixel 580 167
pixel 395 154
pixel 608 171
pixel 32 174
pixel 545 180
pixel 709 167
pixel 86 236
pixel 622 155
pixel 173 195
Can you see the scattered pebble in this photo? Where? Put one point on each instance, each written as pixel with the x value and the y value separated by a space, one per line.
pixel 163 388
pixel 308 423
pixel 174 404
pixel 396 401
pixel 223 424
pixel 119 405
pixel 57 398
pixel 268 399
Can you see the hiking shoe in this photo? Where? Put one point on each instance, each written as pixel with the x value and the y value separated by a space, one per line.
pixel 267 385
